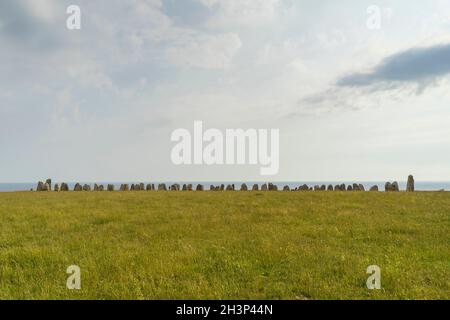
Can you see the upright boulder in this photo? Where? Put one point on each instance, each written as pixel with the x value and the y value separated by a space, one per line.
pixel 64 187
pixel 264 187
pixel 304 188
pixel 40 186
pixel 162 187
pixel 395 186
pixel 391 187
pixel 244 187
pixel 56 188
pixel 388 187
pixel 86 187
pixel 49 183
pixel 286 188
pixel 410 184
pixel 374 189
pixel 273 187
pixel 200 187
pixel 330 188
pixel 229 188
pixel 77 187
pixel 361 187
pixel 110 187
pixel 255 187
pixel 149 187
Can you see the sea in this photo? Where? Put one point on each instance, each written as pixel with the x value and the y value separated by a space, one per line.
pixel 419 185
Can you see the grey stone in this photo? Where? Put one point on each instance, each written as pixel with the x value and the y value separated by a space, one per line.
pixel 255 187
pixel 110 187
pixel 374 189
pixel 162 187
pixel 49 183
pixel 395 186
pixel 286 188
pixel 40 186
pixel 244 187
pixel 410 184
pixel 77 187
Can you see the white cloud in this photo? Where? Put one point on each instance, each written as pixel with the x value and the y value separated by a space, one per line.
pixel 204 51
pixel 241 12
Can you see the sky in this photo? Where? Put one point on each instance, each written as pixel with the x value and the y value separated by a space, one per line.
pixel 357 94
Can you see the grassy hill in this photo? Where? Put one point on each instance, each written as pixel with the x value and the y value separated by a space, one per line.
pixel 224 245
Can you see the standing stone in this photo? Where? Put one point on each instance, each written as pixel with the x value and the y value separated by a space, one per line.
pixel 149 187
pixel 361 187
pixel 229 188
pixel 86 187
pixel 355 187
pixel 78 187
pixel 286 188
pixel 304 188
pixel 56 188
pixel 64 187
pixel 162 187
pixel 175 187
pixel 410 184
pixel 395 186
pixel 388 187
pixel 49 183
pixel 264 187
pixel 95 187
pixel 255 187
pixel 244 187
pixel 200 187
pixel 101 188
pixel 374 189
pixel 330 188
pixel 40 186
pixel 337 187
pixel 323 187
pixel 273 187
pixel 184 187
pixel 316 188
pixel 110 187
pixel 349 188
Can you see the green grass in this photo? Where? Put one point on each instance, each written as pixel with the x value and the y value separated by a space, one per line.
pixel 224 245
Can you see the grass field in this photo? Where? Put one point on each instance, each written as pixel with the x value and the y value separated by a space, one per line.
pixel 225 245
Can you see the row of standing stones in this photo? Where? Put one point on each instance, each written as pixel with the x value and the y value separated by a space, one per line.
pixel 389 187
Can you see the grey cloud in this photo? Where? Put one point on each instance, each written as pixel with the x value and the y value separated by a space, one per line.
pixel 19 26
pixel 420 66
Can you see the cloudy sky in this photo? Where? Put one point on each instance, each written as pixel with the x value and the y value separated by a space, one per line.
pixel 352 101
